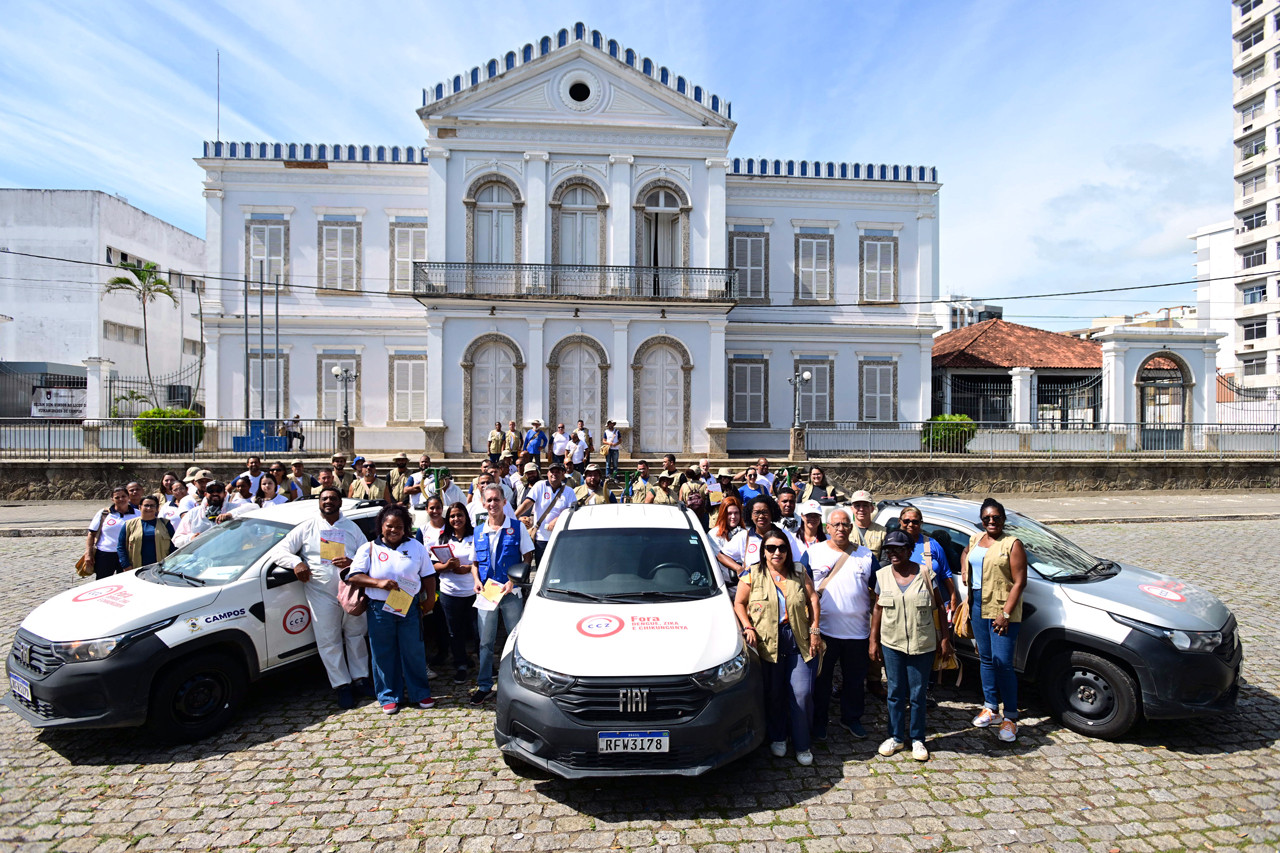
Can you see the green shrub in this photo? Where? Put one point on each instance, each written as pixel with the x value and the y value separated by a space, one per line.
pixel 948 433
pixel 171 432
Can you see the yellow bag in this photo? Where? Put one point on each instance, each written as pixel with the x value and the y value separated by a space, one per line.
pixel 84 566
pixel 962 627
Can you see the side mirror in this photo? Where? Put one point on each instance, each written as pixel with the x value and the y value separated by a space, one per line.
pixel 277 576
pixel 519 573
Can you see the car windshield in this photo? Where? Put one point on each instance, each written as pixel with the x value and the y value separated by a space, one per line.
pixel 638 565
pixel 222 555
pixel 1048 553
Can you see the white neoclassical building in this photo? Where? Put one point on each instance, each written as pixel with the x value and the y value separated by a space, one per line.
pixel 575 239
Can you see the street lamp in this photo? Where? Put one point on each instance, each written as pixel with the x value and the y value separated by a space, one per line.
pixel 346 376
pixel 801 377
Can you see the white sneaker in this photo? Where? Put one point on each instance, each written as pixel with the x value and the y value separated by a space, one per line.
pixel 987 717
pixel 805 758
pixel 778 748
pixel 890 746
pixel 919 751
pixel 1008 731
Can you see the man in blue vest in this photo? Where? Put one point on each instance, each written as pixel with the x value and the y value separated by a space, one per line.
pixel 500 543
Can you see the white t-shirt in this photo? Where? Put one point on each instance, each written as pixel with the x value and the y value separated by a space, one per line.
pixel 847 600
pixel 172 513
pixel 744 547
pixel 559 442
pixel 526 547
pixel 427 483
pixel 406 564
pixel 541 494
pixel 188 502
pixel 767 479
pixel 109 524
pixel 255 480
pixel 457 585
pixel 579 451
pixel 612 439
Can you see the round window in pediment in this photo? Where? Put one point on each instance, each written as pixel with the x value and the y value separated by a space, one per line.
pixel 580 90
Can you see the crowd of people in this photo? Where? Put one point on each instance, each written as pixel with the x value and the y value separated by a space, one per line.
pixel 811 596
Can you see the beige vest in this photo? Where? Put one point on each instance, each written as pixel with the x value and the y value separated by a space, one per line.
pixel 586 497
pixel 872 537
pixel 997 576
pixel 133 541
pixel 369 492
pixel 397 482
pixel 906 616
pixel 665 496
pixel 762 608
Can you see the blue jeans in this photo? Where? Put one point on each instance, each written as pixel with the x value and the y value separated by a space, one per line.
pixel 611 462
pixel 788 693
pixel 460 616
pixel 510 608
pixel 399 660
pixel 851 655
pixel 908 677
pixel 995 658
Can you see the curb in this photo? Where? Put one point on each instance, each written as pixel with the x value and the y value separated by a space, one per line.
pixel 32 532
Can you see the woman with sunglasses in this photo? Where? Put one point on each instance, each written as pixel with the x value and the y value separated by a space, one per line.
pixel 904 637
pixel 457 592
pixel 778 609
pixel 994 570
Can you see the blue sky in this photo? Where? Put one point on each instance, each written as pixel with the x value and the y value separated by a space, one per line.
pixel 1078 143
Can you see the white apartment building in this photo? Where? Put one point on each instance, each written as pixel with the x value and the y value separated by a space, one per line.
pixel 62 315
pixel 1255 338
pixel 1219 301
pixel 573 239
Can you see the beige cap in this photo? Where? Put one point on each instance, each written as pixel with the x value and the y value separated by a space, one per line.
pixel 724 472
pixel 861 496
pixel 400 456
pixel 191 472
pixel 531 467
pixel 202 474
pixel 297 462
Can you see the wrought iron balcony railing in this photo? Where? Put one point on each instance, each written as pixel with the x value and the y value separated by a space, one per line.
pixel 572 281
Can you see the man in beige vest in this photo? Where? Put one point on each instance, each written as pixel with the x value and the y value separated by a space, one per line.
pixel 398 478
pixel 592 491
pixel 370 487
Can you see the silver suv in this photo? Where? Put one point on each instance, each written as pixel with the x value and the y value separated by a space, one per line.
pixel 1106 643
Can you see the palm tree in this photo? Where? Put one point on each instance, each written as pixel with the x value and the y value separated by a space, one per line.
pixel 145 281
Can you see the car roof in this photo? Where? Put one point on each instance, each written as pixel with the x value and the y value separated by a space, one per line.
pixel 295 512
pixel 659 516
pixel 942 505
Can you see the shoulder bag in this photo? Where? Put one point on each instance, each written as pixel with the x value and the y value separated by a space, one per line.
pixel 352 598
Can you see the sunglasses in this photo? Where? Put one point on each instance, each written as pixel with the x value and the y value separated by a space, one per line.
pixel 912 521
pixel 773 549
pixel 988 519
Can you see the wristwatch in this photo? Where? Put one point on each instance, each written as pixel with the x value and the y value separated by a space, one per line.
pixel 1007 615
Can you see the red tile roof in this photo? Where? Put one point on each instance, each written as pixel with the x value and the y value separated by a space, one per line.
pixel 997 343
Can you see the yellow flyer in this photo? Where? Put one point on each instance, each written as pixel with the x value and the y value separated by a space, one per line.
pixel 398 602
pixel 332 546
pixel 492 590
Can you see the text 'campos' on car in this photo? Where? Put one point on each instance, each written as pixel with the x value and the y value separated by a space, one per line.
pixel 628 658
pixel 173 645
pixel 1107 643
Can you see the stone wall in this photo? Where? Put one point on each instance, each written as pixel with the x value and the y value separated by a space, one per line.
pixel 82 480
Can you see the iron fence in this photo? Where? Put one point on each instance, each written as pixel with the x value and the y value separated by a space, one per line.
pixel 574 281
pixel 155 438
pixel 951 439
pixel 128 396
pixel 18 386
pixel 1242 404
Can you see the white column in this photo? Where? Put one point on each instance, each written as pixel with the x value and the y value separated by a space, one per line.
pixel 716 372
pixel 1023 411
pixel 1208 388
pixel 212 369
pixel 435 370
pixel 213 245
pixel 535 209
pixel 620 215
pixel 1115 389
pixel 98 370
pixel 535 401
pixel 717 242
pixel 926 275
pixel 438 204
pixel 620 375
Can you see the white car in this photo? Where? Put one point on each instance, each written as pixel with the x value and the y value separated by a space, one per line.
pixel 173 645
pixel 628 658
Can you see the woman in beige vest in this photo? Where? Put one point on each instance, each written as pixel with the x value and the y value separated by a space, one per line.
pixel 995 573
pixel 146 539
pixel 904 635
pixel 778 609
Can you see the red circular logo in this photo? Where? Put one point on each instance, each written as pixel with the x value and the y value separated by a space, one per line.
pixel 90 595
pixel 111 522
pixel 600 625
pixel 297 619
pixel 1161 592
pixel 382 556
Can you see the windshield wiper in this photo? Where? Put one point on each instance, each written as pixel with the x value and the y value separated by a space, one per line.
pixel 190 579
pixel 1101 567
pixel 658 594
pixel 572 593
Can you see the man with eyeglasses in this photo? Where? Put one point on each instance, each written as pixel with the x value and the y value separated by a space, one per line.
pixel 843 573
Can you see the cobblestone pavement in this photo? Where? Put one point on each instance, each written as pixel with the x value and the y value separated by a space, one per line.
pixel 295 773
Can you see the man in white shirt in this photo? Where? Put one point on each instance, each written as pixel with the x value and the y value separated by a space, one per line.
pixel 559 443
pixel 612 443
pixel 421 485
pixel 203 516
pixel 254 474
pixel 543 505
pixel 340 637
pixel 582 436
pixel 197 481
pixel 450 493
pixel 843 572
pixel 763 474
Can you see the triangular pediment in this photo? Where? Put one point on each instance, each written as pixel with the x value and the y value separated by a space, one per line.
pixel 579 84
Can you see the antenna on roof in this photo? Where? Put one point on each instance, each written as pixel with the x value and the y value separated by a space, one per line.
pixel 218 132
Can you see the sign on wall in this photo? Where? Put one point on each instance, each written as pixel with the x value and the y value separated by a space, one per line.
pixel 58 403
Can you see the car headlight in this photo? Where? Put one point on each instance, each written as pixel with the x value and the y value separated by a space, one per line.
pixel 539 679
pixel 1183 641
pixel 79 651
pixel 725 675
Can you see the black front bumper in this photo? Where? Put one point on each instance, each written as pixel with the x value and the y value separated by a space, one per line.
pixel 1180 685
pixel 106 693
pixel 537 730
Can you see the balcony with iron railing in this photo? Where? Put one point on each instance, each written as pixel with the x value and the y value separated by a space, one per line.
pixel 571 282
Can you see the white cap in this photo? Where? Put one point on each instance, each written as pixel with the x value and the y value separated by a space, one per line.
pixel 809 508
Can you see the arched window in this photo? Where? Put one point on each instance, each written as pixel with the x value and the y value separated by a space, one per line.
pixel 579 227
pixel 661 201
pixel 494 225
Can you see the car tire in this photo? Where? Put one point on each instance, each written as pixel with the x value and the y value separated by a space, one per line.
pixel 1091 695
pixel 523 770
pixel 196 697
